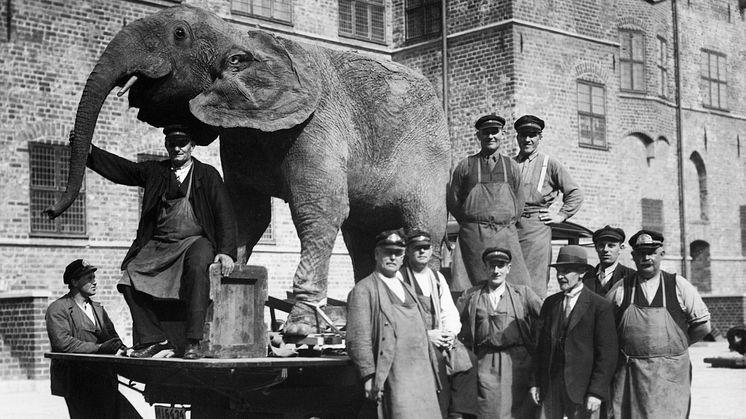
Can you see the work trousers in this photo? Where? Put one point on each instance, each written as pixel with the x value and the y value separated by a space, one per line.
pixel 194 291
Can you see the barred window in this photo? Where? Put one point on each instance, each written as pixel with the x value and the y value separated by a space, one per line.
pixel 362 19
pixel 591 114
pixel 281 10
pixel 48 165
pixel 662 69
pixel 632 60
pixel 652 214
pixel 423 19
pixel 715 85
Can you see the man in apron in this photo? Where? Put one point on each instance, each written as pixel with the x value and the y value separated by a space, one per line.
pixel 187 223
pixel 542 180
pixel 577 347
pixel 497 320
pixel 608 242
pixel 486 199
pixel 387 340
pixel 441 317
pixel 658 315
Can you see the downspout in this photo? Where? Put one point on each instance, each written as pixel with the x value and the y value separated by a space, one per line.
pixel 679 140
pixel 444 55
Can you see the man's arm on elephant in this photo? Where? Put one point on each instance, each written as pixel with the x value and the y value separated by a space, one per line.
pixel 117 169
pixel 360 331
pixel 456 189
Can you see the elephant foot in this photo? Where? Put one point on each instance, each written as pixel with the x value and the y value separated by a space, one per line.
pixel 303 320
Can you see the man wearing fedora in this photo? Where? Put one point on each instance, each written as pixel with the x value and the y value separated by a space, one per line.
pixel 577 345
pixel 659 315
pixel 77 324
pixel 543 178
pixel 387 340
pixel 497 322
pixel 608 242
pixel 486 199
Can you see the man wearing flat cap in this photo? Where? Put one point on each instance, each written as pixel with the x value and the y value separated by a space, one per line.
pixel 608 242
pixel 542 179
pixel 497 325
pixel 659 315
pixel 387 340
pixel 577 347
pixel 441 317
pixel 486 199
pixel 77 324
pixel 187 223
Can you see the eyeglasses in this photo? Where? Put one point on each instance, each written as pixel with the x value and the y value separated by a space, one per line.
pixel 180 142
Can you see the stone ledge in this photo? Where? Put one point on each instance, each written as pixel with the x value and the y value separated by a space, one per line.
pixel 7 295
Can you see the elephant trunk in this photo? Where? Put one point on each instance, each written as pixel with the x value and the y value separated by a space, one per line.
pixel 110 69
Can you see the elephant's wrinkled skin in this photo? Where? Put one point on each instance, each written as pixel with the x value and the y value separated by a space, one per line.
pixel 350 141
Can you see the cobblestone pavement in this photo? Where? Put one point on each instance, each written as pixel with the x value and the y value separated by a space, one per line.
pixel 716 392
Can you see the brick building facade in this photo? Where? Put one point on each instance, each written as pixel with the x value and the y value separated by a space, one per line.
pixel 601 73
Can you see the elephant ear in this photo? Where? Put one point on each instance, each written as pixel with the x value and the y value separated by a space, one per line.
pixel 266 83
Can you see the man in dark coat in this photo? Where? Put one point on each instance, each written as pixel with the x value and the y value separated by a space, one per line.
pixel 187 222
pixel 76 324
pixel 577 344
pixel 609 242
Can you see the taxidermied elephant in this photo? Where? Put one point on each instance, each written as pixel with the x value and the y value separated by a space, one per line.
pixel 349 141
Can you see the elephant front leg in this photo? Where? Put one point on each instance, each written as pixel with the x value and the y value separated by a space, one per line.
pixel 317 221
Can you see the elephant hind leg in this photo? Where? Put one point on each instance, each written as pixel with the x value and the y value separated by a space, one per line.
pixel 360 245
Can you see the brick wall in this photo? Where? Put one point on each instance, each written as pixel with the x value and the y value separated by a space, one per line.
pixel 727 311
pixel 23 335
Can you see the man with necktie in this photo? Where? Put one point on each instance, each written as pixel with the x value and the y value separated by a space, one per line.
pixel 608 242
pixel 577 344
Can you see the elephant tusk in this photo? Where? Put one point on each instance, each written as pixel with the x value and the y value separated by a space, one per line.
pixel 127 86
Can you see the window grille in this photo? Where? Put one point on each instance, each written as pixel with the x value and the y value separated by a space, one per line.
pixel 280 10
pixel 362 19
pixel 715 85
pixel 591 114
pixel 48 165
pixel 652 214
pixel 423 19
pixel 632 61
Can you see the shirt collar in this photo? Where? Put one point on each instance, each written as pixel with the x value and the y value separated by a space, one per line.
pixel 575 291
pixel 610 269
pixel 531 157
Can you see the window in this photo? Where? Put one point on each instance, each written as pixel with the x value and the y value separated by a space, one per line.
pixel 699 164
pixel 715 87
pixel 423 19
pixel 280 10
pixel 48 179
pixel 632 61
pixel 652 214
pixel 362 19
pixel 743 229
pixel 592 114
pixel 662 70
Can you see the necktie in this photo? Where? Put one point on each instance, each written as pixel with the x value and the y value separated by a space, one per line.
pixel 568 310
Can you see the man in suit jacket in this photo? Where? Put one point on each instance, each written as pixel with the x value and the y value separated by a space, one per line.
pixel 76 324
pixel 577 344
pixel 609 242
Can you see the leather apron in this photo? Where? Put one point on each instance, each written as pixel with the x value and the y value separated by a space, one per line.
pixel 491 214
pixel 410 388
pixel 159 265
pixel 653 380
pixel 504 362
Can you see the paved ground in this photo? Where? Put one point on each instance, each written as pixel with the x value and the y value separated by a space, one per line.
pixel 716 392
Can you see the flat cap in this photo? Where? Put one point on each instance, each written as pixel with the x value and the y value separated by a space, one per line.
pixel 496 254
pixel 529 124
pixel 390 238
pixel 646 239
pixel 490 121
pixel 76 269
pixel 176 130
pixel 609 233
pixel 418 237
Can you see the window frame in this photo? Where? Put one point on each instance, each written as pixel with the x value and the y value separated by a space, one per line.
pixel 592 115
pixel 632 62
pixel 60 160
pixel 662 69
pixel 422 8
pixel 372 5
pixel 650 226
pixel 708 80
pixel 270 18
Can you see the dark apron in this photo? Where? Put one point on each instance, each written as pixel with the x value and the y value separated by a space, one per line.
pixel 491 214
pixel 159 265
pixel 503 373
pixel 655 380
pixel 410 388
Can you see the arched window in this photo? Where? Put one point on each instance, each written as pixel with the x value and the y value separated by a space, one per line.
pixel 699 164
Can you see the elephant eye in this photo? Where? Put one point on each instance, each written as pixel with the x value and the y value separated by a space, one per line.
pixel 179 33
pixel 236 59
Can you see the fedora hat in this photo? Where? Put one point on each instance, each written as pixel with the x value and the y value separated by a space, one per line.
pixel 572 255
